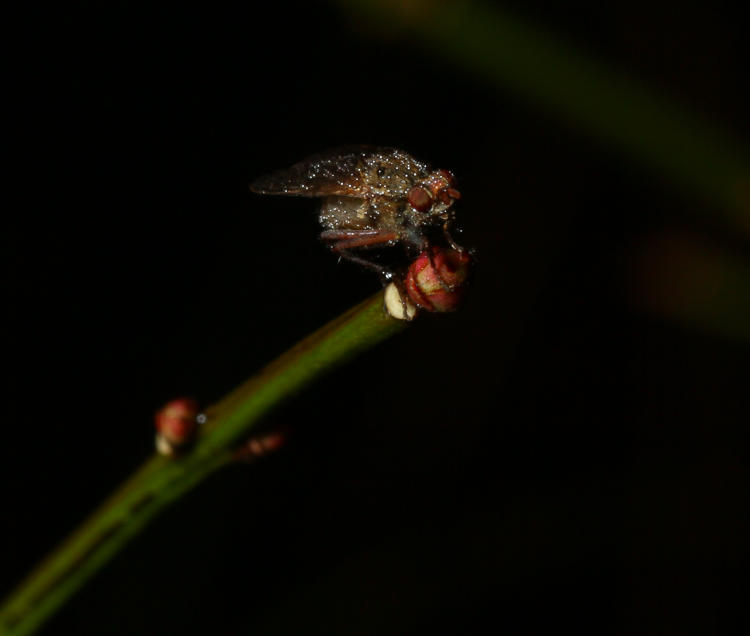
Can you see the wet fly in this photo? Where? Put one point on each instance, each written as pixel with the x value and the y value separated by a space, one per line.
pixel 371 198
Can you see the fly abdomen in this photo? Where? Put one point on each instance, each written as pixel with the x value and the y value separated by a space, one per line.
pixel 345 213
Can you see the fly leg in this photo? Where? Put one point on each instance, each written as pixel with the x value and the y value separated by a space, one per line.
pixel 449 238
pixel 345 240
pixel 424 246
pixel 441 280
pixel 398 281
pixel 342 241
pixel 452 242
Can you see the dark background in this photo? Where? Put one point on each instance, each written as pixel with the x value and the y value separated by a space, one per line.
pixel 559 454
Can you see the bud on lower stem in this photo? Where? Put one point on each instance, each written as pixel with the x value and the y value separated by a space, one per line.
pixel 176 425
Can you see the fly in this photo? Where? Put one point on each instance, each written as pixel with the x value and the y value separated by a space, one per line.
pixel 371 198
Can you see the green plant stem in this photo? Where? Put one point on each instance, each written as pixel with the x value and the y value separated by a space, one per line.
pixel 161 480
pixel 621 111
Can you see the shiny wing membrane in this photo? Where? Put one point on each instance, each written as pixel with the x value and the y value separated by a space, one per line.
pixel 352 171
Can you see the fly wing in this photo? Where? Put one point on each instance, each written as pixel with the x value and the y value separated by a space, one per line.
pixel 352 171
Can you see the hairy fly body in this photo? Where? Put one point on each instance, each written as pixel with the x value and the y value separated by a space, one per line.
pixel 371 198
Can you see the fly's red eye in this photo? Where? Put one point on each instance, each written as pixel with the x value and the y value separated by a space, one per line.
pixel 420 199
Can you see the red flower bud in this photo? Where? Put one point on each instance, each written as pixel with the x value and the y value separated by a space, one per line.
pixel 259 446
pixel 437 279
pixel 176 425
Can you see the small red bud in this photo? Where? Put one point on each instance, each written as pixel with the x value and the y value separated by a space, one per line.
pixel 176 425
pixel 259 446
pixel 438 283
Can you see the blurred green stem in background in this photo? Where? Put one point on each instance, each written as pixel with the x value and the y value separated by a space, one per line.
pixel 160 480
pixel 521 58
pixel 687 279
